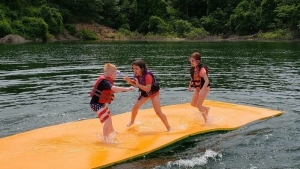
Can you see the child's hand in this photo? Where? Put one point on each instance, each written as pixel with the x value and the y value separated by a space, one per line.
pixel 127 79
pixel 190 88
pixel 131 88
pixel 136 81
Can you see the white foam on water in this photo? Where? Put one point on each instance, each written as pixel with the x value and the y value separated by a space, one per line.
pixel 198 160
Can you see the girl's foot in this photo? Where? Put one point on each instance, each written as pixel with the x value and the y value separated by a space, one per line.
pixel 169 129
pixel 129 124
pixel 206 110
pixel 204 116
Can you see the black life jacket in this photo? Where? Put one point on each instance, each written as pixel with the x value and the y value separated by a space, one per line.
pixel 154 86
pixel 198 81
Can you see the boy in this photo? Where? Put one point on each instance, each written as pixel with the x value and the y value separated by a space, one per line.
pixel 102 94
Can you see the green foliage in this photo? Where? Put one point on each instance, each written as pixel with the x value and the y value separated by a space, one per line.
pixel 157 25
pixel 123 31
pixel 4 28
pixel 125 26
pixel 267 15
pixel 87 34
pixel 53 18
pixel 197 33
pixel 30 27
pixel 186 9
pixel 288 16
pixel 195 22
pixel 31 11
pixel 215 22
pixel 277 34
pixel 143 27
pixel 2 12
pixel 145 9
pixel 182 27
pixel 152 17
pixel 244 19
pixel 71 29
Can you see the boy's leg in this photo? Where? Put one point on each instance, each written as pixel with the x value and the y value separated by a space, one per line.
pixel 111 128
pixel 156 105
pixel 138 103
pixel 106 127
pixel 105 118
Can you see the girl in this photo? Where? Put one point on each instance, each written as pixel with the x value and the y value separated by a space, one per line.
pixel 148 88
pixel 200 81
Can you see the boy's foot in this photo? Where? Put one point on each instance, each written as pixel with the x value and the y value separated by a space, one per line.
pixel 169 129
pixel 113 134
pixel 108 140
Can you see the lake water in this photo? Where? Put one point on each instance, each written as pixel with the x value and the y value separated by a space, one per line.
pixel 48 84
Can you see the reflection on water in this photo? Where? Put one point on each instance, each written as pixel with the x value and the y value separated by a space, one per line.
pixel 47 84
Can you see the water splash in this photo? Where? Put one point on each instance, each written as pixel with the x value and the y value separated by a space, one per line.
pixel 198 160
pixel 110 139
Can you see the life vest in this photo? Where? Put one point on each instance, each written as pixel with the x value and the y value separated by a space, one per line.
pixel 198 81
pixel 154 86
pixel 105 96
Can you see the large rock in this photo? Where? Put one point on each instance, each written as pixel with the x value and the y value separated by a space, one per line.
pixel 12 39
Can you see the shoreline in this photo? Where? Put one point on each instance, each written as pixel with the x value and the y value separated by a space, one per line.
pixel 16 39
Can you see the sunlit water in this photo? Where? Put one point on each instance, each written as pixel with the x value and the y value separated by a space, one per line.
pixel 48 84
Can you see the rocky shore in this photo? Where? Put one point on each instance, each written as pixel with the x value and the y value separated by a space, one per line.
pixel 13 39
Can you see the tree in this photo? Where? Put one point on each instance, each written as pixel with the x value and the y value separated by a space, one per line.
pixel 267 15
pixel 53 18
pixel 147 8
pixel 182 27
pixel 157 25
pixel 244 20
pixel 189 8
pixel 288 16
pixel 215 22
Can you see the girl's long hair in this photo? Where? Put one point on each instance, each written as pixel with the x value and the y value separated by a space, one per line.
pixel 196 56
pixel 140 63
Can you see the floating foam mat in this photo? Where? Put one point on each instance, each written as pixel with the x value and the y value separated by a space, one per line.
pixel 78 145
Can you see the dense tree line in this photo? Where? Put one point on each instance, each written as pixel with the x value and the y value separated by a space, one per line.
pixel 180 18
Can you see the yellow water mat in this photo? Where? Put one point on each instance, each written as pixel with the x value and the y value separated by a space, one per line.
pixel 78 145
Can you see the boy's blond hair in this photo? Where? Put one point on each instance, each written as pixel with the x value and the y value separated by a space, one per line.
pixel 109 68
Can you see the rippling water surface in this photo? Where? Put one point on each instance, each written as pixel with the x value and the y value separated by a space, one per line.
pixel 47 84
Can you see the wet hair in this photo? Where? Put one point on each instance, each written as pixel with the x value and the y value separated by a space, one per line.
pixel 196 56
pixel 140 63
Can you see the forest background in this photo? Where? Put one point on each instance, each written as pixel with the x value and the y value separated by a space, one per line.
pixel 45 20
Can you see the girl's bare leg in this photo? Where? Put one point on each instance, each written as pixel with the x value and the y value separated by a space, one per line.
pixel 195 98
pixel 135 109
pixel 156 105
pixel 203 110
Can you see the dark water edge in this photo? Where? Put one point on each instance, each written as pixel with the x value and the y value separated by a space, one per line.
pixel 16 39
pixel 44 84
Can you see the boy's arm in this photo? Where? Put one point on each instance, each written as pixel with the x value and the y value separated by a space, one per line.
pixel 122 89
